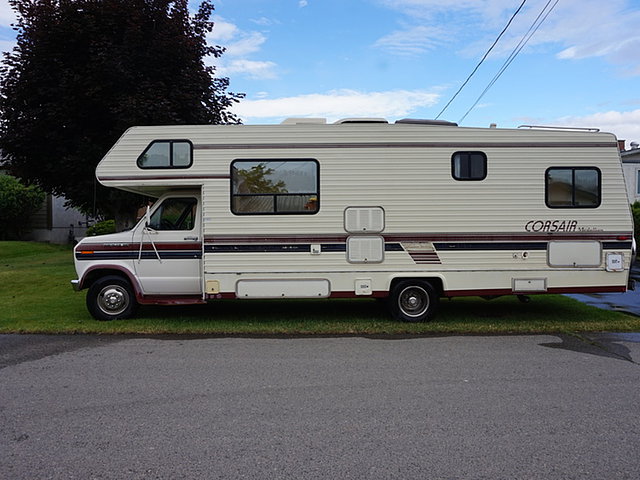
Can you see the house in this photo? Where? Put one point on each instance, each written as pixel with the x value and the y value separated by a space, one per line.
pixel 631 169
pixel 56 223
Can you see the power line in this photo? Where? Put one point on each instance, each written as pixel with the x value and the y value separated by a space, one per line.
pixel 523 41
pixel 483 58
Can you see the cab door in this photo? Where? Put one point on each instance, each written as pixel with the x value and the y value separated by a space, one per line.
pixel 170 247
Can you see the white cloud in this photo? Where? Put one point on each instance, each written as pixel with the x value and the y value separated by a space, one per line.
pixel 338 104
pixel 625 125
pixel 251 68
pixel 240 45
pixel 7 45
pixel 303 3
pixel 575 29
pixel 7 15
pixel 248 43
pixel 412 41
pixel 222 31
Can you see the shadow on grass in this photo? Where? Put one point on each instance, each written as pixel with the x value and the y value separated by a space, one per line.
pixel 550 313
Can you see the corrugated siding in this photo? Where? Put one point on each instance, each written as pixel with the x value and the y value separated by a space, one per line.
pixel 412 184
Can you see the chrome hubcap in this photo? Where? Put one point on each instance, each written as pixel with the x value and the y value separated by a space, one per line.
pixel 113 299
pixel 414 301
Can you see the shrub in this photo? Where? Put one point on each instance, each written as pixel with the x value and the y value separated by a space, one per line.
pixel 18 203
pixel 102 228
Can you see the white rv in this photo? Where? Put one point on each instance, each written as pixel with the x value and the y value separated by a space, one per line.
pixel 412 211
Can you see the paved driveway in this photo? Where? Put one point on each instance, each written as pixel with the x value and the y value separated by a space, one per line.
pixel 519 407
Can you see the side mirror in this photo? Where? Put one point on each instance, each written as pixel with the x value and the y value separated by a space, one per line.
pixel 147 218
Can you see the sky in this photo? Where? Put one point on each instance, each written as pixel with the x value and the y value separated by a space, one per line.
pixel 559 62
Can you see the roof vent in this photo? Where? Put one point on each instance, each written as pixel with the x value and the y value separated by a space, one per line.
pixel 361 120
pixel 420 121
pixel 300 121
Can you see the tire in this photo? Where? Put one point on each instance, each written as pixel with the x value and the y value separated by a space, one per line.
pixel 413 301
pixel 111 298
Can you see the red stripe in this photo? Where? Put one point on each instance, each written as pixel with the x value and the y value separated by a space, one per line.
pixel 555 290
pixel 457 145
pixel 119 247
pixel 163 177
pixel 417 237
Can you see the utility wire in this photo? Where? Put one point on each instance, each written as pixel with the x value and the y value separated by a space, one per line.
pixel 523 41
pixel 483 58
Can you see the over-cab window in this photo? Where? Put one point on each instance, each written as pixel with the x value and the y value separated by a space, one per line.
pixel 175 214
pixel 469 166
pixel 573 187
pixel 167 154
pixel 262 187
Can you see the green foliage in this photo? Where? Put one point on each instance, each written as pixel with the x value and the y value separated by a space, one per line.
pixel 83 71
pixel 17 204
pixel 635 209
pixel 256 180
pixel 102 228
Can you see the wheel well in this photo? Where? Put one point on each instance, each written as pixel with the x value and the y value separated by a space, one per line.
pixel 94 275
pixel 434 281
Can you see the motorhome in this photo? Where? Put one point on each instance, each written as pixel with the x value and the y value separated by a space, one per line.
pixel 411 211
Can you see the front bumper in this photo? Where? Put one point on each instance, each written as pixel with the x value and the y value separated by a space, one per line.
pixel 76 285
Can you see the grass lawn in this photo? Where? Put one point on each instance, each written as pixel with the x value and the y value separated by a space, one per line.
pixel 36 297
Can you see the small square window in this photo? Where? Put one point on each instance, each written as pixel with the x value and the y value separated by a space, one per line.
pixel 167 154
pixel 469 166
pixel 573 187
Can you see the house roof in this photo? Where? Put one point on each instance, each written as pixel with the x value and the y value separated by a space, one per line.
pixel 631 156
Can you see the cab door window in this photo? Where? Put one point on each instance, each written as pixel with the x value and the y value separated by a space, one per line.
pixel 175 214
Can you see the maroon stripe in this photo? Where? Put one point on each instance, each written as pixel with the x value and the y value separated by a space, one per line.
pixel 164 177
pixel 170 299
pixel 122 246
pixel 555 290
pixel 457 145
pixel 417 237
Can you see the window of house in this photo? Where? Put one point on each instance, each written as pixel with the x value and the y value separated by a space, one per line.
pixel 175 214
pixel 638 183
pixel 469 166
pixel 167 154
pixel 573 187
pixel 275 187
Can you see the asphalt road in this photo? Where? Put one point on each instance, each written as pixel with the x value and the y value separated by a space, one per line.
pixel 519 407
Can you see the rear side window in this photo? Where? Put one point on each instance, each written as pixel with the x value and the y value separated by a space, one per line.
pixel 167 154
pixel 573 187
pixel 469 166
pixel 263 187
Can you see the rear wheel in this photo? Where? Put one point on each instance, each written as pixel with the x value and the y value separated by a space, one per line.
pixel 111 298
pixel 413 301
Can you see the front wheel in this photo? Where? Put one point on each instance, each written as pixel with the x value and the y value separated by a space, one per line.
pixel 111 298
pixel 413 301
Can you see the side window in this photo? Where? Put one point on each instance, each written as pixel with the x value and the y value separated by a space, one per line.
pixel 638 183
pixel 573 187
pixel 261 187
pixel 175 214
pixel 469 166
pixel 167 154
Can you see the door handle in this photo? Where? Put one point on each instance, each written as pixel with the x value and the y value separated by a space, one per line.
pixel 195 239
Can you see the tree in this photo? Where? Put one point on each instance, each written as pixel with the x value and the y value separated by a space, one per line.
pixel 17 204
pixel 256 180
pixel 84 71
